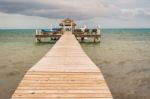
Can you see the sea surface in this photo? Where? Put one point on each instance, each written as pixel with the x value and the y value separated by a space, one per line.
pixel 123 56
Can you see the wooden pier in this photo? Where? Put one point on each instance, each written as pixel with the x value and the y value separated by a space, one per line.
pixel 51 36
pixel 65 72
pixel 68 25
pixel 48 34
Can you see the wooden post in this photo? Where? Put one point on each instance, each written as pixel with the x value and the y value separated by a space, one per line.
pixel 71 28
pixel 36 34
pixel 98 30
pixel 36 31
pixel 82 38
pixel 94 39
pixel 63 27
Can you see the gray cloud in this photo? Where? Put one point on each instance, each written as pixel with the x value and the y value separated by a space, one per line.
pixel 76 9
pixel 136 13
pixel 22 6
pixel 57 9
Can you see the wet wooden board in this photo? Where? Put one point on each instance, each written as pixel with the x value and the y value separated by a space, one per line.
pixel 65 72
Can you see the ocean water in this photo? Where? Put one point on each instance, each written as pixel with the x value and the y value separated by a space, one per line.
pixel 18 53
pixel 123 56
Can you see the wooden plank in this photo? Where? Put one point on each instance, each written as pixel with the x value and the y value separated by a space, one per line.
pixel 63 87
pixel 56 79
pixel 62 91
pixel 58 98
pixel 66 76
pixel 59 95
pixel 64 81
pixel 62 73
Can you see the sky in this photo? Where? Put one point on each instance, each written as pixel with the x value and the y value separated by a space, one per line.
pixel 22 14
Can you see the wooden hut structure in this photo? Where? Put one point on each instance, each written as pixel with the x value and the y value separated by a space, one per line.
pixel 68 25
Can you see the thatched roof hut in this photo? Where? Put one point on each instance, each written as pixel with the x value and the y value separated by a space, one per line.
pixel 67 22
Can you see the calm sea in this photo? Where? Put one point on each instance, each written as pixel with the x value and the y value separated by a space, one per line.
pixel 123 56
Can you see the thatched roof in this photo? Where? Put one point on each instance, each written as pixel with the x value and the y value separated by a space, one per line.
pixel 67 22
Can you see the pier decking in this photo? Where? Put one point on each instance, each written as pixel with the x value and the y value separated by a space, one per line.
pixel 65 72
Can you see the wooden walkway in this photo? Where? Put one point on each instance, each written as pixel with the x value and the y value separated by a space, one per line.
pixel 65 72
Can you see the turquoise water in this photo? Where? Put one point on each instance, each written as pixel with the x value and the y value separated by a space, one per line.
pixel 18 52
pixel 123 56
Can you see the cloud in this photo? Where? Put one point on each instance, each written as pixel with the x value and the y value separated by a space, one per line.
pixel 135 13
pixel 24 22
pixel 107 12
pixel 59 9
